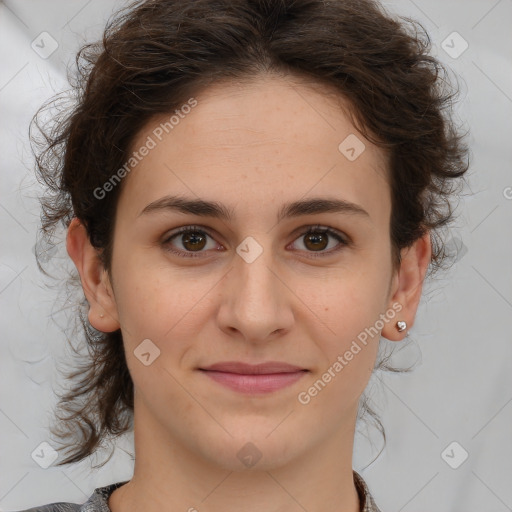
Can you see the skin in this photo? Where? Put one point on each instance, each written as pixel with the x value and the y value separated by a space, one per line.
pixel 252 147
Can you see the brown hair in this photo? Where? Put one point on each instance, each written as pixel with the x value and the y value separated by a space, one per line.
pixel 156 54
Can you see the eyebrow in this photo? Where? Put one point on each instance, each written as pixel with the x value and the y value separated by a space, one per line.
pixel 218 210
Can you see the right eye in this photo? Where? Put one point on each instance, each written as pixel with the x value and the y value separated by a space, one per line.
pixel 193 239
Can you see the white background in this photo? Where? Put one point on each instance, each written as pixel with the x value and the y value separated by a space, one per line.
pixel 461 389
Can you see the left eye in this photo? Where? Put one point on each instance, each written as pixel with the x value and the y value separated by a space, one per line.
pixel 194 240
pixel 317 239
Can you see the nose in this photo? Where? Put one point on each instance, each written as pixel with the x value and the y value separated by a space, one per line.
pixel 256 304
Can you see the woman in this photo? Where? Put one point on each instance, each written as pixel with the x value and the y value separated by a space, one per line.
pixel 253 193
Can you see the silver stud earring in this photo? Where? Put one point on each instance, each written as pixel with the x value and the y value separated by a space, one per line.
pixel 401 326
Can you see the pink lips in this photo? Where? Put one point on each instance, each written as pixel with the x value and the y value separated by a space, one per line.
pixel 259 378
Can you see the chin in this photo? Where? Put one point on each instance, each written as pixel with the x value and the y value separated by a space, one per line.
pixel 255 452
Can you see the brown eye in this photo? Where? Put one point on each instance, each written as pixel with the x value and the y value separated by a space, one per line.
pixel 190 240
pixel 316 241
pixel 193 241
pixel 317 238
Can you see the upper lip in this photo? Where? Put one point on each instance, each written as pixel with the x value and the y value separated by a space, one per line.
pixel 253 369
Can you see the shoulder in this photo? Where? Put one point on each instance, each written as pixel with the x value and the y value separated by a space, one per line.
pixel 97 502
pixel 55 507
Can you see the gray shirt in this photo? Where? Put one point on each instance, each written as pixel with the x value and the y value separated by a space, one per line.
pixel 98 501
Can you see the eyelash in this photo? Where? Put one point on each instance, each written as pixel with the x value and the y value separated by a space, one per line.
pixel 311 229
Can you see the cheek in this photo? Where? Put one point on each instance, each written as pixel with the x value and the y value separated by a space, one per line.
pixel 349 301
pixel 348 352
pixel 348 326
pixel 159 303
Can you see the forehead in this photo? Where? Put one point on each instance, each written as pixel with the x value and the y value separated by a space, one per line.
pixel 258 143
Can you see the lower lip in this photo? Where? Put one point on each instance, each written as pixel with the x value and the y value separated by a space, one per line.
pixel 255 383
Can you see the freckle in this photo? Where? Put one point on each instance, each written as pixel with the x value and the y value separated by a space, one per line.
pixel 326 309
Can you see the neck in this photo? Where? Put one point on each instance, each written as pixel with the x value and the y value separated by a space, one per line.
pixel 169 477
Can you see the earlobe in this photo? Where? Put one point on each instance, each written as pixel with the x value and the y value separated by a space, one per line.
pixel 408 287
pixel 94 278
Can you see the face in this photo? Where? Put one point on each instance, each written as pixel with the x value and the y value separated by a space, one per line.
pixel 253 287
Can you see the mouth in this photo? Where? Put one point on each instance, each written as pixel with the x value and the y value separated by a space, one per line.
pixel 259 378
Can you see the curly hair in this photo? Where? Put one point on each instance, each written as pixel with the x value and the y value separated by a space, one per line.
pixel 155 54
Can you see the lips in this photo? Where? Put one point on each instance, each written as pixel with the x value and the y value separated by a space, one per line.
pixel 258 378
pixel 253 369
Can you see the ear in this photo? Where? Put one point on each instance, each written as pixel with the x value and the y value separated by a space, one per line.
pixel 407 285
pixel 94 278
